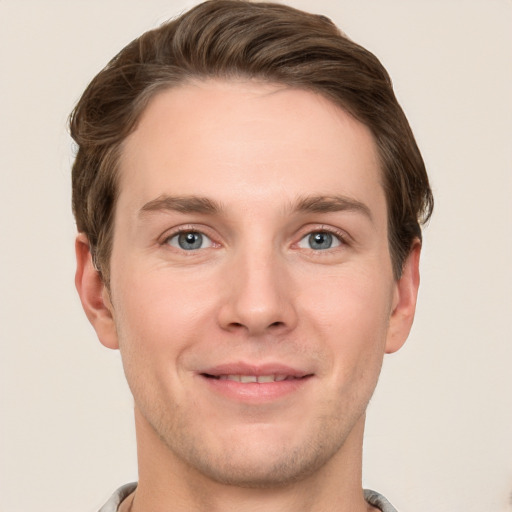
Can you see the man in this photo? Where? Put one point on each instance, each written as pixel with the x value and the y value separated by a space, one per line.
pixel 248 196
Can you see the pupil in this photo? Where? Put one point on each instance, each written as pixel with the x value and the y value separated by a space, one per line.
pixel 320 240
pixel 190 241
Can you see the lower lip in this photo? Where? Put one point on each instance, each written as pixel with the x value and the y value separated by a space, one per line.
pixel 256 392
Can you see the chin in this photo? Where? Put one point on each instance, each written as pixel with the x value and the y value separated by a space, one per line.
pixel 282 470
pixel 265 459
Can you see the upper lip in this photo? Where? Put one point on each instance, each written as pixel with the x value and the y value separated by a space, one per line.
pixel 258 370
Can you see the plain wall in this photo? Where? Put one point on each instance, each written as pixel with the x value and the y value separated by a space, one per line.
pixel 439 431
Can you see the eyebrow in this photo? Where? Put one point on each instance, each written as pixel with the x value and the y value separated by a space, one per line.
pixel 204 205
pixel 181 204
pixel 332 203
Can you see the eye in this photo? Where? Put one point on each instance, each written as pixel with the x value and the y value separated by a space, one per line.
pixel 189 241
pixel 319 241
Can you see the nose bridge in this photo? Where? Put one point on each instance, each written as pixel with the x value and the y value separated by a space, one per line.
pixel 259 297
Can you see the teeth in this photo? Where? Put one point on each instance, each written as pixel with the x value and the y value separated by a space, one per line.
pixel 253 378
pixel 248 378
pixel 266 378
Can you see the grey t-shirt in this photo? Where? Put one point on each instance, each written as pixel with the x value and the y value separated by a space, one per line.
pixel 372 497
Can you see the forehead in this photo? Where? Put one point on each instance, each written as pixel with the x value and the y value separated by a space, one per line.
pixel 234 139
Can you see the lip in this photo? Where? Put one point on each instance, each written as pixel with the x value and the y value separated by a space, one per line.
pixel 257 370
pixel 255 392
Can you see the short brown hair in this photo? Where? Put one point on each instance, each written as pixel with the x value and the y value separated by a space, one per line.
pixel 231 39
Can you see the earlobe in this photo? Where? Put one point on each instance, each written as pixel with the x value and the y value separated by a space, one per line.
pixel 404 302
pixel 93 294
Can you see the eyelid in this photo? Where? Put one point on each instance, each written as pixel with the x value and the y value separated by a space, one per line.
pixel 343 237
pixel 188 228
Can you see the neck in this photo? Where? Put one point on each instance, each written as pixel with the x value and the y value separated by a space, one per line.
pixel 168 483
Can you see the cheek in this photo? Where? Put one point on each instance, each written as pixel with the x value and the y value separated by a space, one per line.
pixel 157 320
pixel 352 312
pixel 355 297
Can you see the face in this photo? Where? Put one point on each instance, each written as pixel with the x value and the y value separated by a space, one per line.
pixel 252 294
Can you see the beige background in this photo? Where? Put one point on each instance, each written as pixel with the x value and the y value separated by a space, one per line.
pixel 439 435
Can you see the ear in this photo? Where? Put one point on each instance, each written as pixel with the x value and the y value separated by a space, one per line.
pixel 94 294
pixel 404 300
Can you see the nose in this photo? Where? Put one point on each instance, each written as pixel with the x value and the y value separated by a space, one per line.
pixel 257 296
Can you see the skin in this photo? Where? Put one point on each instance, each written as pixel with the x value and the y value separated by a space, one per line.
pixel 271 166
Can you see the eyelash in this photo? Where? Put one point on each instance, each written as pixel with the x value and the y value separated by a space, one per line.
pixel 186 229
pixel 341 236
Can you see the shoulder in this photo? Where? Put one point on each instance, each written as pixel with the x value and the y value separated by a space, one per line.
pixel 115 500
pixel 377 500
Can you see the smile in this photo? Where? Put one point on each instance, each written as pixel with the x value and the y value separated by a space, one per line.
pixel 255 385
pixel 248 379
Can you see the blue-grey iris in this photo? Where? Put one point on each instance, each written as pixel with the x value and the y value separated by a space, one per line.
pixel 320 241
pixel 190 241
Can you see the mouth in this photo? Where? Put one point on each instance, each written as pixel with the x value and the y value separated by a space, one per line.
pixel 250 379
pixel 255 384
